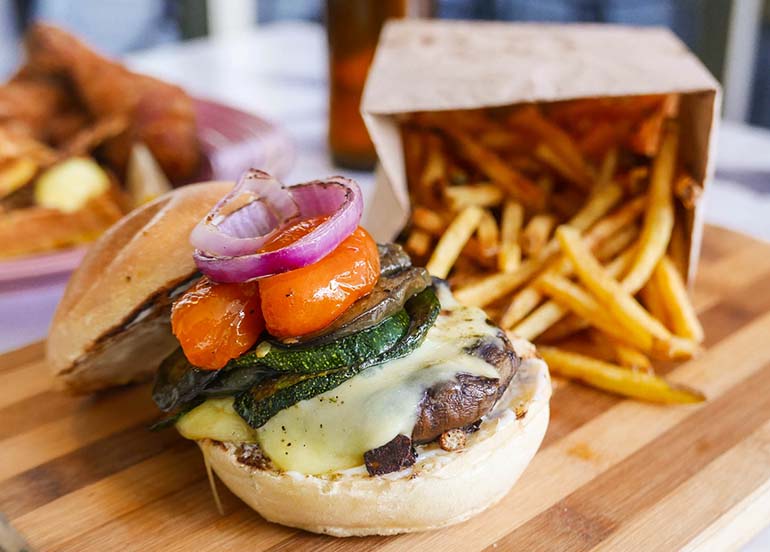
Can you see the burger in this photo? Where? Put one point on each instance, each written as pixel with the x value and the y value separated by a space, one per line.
pixel 329 383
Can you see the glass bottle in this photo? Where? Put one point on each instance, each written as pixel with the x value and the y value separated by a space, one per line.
pixel 353 28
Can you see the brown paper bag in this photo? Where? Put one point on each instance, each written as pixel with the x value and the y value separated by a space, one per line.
pixel 423 65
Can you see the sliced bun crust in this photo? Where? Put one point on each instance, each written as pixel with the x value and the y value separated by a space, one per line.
pixel 442 488
pixel 142 257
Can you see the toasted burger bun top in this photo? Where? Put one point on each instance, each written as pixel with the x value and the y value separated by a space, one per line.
pixel 132 266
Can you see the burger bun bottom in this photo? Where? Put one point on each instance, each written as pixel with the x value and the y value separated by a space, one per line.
pixel 442 488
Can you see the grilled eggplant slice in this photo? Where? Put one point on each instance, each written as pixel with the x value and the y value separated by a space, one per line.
pixel 386 298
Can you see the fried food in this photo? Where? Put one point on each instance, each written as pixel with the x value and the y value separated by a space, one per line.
pixel 30 101
pixel 14 145
pixel 67 103
pixel 679 310
pixel 161 115
pixel 570 226
pixel 39 229
pixel 616 379
pixel 659 217
pixel 626 312
pixel 15 173
pixel 452 242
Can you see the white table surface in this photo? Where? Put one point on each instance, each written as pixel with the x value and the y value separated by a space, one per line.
pixel 279 72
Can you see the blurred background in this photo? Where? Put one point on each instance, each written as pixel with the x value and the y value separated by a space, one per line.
pixel 732 37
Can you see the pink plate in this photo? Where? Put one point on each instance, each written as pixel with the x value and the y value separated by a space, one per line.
pixel 232 141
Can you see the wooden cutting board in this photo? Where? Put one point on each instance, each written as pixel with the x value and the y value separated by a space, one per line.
pixel 84 473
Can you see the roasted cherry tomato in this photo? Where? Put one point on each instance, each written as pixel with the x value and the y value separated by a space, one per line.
pixel 292 233
pixel 308 299
pixel 217 322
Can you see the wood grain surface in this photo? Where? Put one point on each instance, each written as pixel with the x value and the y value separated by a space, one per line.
pixel 85 474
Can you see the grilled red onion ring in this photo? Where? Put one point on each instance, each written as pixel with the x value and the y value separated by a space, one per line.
pixel 229 238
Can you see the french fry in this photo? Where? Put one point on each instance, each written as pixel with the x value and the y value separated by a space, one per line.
pixel 465 271
pixel 645 140
pixel 598 204
pixel 488 234
pixel 481 195
pixel 573 297
pixel 631 358
pixel 495 286
pixel 525 163
pixel 566 202
pixel 435 164
pixel 653 301
pixel 544 153
pixel 676 348
pixel 631 107
pixel 503 139
pixel 603 136
pixel 529 118
pixel 563 327
pixel 609 377
pixel 601 346
pixel 523 303
pixel 488 162
pixel 433 176
pixel 565 161
pixel 427 220
pixel 466 120
pixel 615 221
pixel 569 296
pixel 678 247
pixel 530 296
pixel 687 190
pixel 414 149
pixel 635 179
pixel 459 279
pixel 659 218
pixel 536 233
pixel 673 293
pixel 452 242
pixel 623 307
pixel 509 256
pixel 608 168
pixel 542 318
pixel 545 183
pixel 418 243
pixel 485 260
pixel 671 105
pixel 624 355
pixel 474 120
pixel 512 220
pixel 615 243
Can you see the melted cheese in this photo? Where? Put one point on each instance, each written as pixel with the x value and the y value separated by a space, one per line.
pixel 332 431
pixel 215 419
